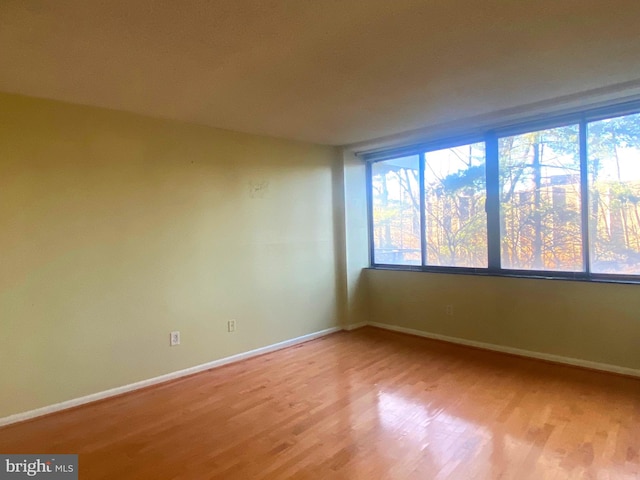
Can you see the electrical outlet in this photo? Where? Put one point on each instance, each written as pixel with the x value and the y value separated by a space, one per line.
pixel 449 310
pixel 174 338
pixel 231 326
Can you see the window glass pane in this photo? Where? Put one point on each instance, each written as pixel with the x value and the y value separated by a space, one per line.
pixel 540 220
pixel 455 217
pixel 613 149
pixel 396 211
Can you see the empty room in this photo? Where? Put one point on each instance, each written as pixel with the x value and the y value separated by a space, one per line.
pixel 306 239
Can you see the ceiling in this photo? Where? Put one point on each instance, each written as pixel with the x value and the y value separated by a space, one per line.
pixel 326 71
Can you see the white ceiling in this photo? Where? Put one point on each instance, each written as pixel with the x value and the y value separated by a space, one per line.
pixel 326 71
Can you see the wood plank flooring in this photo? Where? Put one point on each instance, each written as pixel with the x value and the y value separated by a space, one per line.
pixel 368 404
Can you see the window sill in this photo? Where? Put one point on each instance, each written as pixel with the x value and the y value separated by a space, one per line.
pixel 483 272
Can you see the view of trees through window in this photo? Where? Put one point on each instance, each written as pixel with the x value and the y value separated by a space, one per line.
pixel 396 211
pixel 613 152
pixel 540 220
pixel 540 212
pixel 455 217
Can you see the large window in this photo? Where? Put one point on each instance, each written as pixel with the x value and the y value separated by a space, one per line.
pixel 614 194
pixel 540 226
pixel 454 205
pixel 558 198
pixel 396 211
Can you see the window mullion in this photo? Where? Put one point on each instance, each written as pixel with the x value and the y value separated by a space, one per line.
pixel 584 197
pixel 423 223
pixel 493 202
pixel 369 188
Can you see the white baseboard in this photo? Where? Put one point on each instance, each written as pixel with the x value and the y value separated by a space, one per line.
pixel 355 326
pixel 20 417
pixel 576 362
pixel 38 412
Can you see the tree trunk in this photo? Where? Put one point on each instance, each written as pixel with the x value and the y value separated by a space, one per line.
pixel 384 200
pixel 537 218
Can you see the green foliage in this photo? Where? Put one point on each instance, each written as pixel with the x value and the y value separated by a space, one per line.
pixel 471 180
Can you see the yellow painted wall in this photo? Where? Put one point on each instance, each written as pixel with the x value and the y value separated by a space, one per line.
pixel 116 229
pixel 356 239
pixel 589 321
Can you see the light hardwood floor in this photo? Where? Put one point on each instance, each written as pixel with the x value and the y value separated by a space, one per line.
pixel 368 404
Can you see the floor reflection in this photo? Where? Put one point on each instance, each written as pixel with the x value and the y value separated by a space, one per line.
pixel 434 432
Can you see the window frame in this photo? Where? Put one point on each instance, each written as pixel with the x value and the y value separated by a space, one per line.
pixel 490 136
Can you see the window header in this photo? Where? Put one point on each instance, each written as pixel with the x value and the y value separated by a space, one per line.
pixel 499 127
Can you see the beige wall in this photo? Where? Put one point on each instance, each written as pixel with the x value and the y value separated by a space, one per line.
pixel 356 239
pixel 589 321
pixel 116 229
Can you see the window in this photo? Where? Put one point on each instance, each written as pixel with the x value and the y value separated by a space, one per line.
pixel 553 198
pixel 455 217
pixel 540 226
pixel 396 211
pixel 613 147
